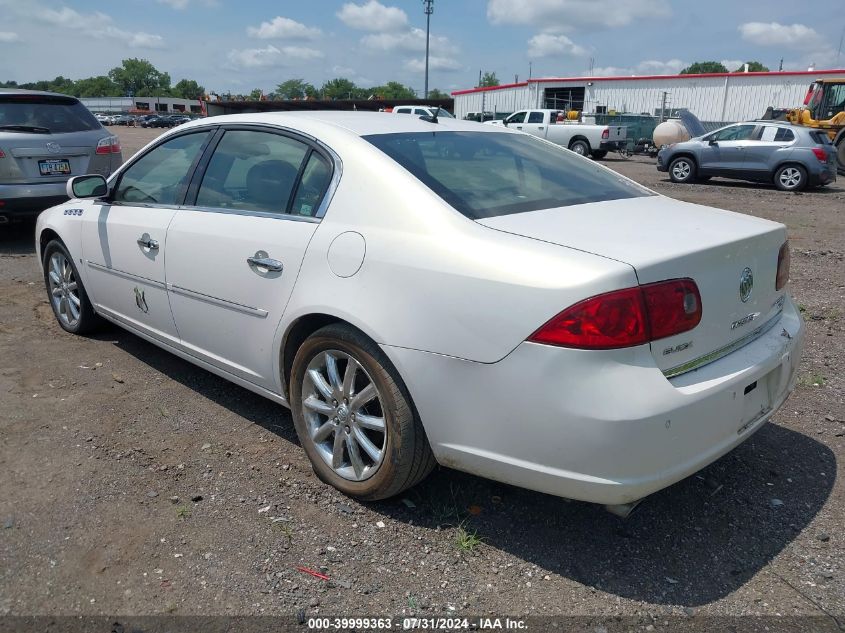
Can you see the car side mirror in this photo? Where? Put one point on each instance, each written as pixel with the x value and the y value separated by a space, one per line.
pixel 90 186
pixel 713 142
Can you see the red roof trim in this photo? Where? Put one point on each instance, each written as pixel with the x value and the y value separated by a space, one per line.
pixel 785 73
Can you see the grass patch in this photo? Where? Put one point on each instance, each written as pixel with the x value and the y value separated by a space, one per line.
pixel 812 380
pixel 465 540
pixel 183 512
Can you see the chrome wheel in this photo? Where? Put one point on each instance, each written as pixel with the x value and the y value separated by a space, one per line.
pixel 64 290
pixel 344 415
pixel 790 177
pixel 681 170
pixel 579 148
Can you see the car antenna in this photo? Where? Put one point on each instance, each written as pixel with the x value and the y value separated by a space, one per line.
pixel 431 118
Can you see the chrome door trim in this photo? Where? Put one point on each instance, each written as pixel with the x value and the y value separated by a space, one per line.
pixel 257 214
pixel 223 303
pixel 119 273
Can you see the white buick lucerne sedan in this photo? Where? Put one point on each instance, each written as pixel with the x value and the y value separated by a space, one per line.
pixel 423 290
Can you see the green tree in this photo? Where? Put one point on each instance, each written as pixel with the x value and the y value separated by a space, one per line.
pixel 699 68
pixel 188 89
pixel 489 79
pixel 434 93
pixel 338 89
pixel 392 90
pixel 255 95
pixel 100 86
pixel 139 77
pixel 296 89
pixel 753 67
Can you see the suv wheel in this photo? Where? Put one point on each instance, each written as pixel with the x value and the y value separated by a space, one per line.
pixel 682 170
pixel 791 178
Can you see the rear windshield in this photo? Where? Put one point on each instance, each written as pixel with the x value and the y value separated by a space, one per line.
pixel 44 114
pixel 821 138
pixel 487 174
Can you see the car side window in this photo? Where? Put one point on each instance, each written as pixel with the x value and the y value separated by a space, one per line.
pixel 784 135
pixel 734 133
pixel 315 180
pixel 402 110
pixel 535 117
pixel 252 171
pixel 421 112
pixel 519 117
pixel 161 175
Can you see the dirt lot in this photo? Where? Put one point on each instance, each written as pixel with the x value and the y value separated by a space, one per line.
pixel 135 483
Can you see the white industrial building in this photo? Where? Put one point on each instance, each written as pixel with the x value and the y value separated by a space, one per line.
pixel 135 105
pixel 715 97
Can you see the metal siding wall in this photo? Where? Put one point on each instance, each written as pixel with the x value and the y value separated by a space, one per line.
pixel 747 97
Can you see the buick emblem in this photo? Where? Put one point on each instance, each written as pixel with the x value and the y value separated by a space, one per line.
pixel 54 148
pixel 746 284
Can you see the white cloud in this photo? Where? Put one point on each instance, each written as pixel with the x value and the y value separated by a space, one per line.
pixel 271 56
pixel 417 65
pixel 566 15
pixel 648 67
pixel 412 41
pixel 96 25
pixel 372 16
pixel 795 36
pixel 284 28
pixel 179 5
pixel 8 36
pixel 546 44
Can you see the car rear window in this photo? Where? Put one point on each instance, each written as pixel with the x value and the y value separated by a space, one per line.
pixel 488 174
pixel 821 138
pixel 44 114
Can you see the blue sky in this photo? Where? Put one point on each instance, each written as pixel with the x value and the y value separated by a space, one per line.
pixel 236 46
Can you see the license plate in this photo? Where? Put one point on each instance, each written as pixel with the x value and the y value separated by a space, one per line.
pixel 57 167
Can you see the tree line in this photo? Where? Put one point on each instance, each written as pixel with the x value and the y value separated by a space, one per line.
pixel 138 77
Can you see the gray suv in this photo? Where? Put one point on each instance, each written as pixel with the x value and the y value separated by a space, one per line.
pixel 45 138
pixel 789 156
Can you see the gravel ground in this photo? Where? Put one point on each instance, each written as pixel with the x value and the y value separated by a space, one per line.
pixel 136 483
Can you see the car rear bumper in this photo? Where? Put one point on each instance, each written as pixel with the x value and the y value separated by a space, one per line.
pixel 610 146
pixel 30 199
pixel 600 426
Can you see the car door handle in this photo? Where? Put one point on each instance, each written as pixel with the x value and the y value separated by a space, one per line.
pixel 147 242
pixel 518 127
pixel 541 128
pixel 273 265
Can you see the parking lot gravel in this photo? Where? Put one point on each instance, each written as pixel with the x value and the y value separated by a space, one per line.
pixel 136 483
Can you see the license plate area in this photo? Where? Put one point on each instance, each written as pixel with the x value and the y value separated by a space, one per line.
pixel 757 399
pixel 54 167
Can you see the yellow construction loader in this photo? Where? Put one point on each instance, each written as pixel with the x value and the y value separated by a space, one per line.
pixel 824 109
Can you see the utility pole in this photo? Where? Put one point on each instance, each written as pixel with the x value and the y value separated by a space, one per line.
pixel 529 70
pixel 428 7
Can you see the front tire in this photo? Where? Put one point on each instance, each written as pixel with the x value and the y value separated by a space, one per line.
pixel 71 305
pixel 682 170
pixel 354 416
pixel 791 178
pixel 582 148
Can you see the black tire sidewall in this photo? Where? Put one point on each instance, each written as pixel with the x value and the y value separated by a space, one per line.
pixel 393 408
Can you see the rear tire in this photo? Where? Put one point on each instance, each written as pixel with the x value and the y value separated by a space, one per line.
pixel 791 178
pixel 582 148
pixel 369 446
pixel 682 170
pixel 840 157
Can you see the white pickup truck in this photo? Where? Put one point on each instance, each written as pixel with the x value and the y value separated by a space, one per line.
pixel 582 138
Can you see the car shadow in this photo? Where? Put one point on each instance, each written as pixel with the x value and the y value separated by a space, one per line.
pixel 691 544
pixel 17 238
pixel 744 184
pixel 243 402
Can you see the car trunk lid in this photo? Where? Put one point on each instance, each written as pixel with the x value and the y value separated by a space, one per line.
pixel 666 239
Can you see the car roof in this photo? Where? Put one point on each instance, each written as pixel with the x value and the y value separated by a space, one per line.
pixel 356 123
pixel 41 93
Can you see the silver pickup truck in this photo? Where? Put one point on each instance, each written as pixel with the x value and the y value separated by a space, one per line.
pixel 582 138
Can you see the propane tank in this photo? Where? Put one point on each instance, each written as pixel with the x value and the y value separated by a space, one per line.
pixel 671 131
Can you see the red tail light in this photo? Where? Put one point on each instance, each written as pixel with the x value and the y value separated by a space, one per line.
pixel 625 318
pixel 2 155
pixel 108 145
pixel 783 266
pixel 820 154
pixel 605 134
